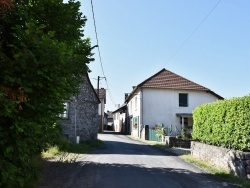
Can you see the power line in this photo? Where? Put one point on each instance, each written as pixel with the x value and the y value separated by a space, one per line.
pixel 192 33
pixel 97 37
pixel 100 54
pixel 110 96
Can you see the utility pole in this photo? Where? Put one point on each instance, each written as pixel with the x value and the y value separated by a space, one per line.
pixel 98 79
pixel 98 94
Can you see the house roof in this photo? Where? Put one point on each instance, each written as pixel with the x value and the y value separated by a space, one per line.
pixel 110 115
pixel 87 77
pixel 120 109
pixel 165 79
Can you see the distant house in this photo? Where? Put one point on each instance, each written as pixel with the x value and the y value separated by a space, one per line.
pixel 105 121
pixel 102 96
pixel 110 121
pixel 120 119
pixel 80 117
pixel 165 98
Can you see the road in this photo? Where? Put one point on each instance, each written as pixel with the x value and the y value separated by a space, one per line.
pixel 127 163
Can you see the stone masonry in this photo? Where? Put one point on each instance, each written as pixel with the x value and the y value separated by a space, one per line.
pixel 235 162
pixel 84 108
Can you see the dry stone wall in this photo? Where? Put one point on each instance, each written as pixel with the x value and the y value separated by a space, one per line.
pixel 235 162
pixel 177 142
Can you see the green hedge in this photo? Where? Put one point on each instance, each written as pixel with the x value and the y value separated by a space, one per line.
pixel 224 123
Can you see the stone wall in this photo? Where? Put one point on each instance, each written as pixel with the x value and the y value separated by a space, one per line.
pixel 85 108
pixel 235 162
pixel 177 142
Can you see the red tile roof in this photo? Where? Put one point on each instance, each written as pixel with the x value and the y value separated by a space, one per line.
pixel 165 79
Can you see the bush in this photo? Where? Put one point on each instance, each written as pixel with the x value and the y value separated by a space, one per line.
pixel 178 136
pixel 224 123
pixel 43 59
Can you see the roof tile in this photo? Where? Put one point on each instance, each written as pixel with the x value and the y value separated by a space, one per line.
pixel 165 79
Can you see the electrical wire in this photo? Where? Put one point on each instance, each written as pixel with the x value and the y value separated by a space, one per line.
pixel 192 33
pixel 98 47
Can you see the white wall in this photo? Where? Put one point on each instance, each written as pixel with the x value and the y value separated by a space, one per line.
pixel 101 107
pixel 119 120
pixel 134 107
pixel 161 105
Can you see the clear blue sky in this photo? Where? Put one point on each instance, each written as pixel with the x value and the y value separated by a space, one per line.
pixel 137 38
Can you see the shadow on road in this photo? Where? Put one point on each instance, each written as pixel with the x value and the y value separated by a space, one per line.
pixel 124 148
pixel 112 132
pixel 90 174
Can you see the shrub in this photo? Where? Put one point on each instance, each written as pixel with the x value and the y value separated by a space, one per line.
pixel 43 60
pixel 224 123
pixel 159 130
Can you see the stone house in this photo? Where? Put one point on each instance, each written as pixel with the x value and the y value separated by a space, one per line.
pixel 80 117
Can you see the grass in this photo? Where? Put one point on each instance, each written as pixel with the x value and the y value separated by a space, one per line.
pixel 152 143
pixel 208 167
pixel 65 147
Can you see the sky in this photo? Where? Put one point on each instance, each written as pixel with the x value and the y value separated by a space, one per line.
pixel 205 41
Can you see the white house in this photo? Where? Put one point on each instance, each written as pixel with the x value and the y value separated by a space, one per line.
pixel 119 119
pixel 165 98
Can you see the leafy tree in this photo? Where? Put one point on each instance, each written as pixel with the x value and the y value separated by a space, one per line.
pixel 43 58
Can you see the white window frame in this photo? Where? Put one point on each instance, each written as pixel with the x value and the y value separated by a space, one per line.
pixel 65 114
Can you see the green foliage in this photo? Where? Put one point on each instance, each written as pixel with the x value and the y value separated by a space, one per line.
pixel 159 129
pixel 185 134
pixel 67 147
pixel 43 59
pixel 178 136
pixel 224 123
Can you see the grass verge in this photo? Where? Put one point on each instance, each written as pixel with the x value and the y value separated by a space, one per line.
pixel 152 143
pixel 65 147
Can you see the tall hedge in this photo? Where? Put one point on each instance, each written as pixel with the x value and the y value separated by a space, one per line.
pixel 43 58
pixel 224 123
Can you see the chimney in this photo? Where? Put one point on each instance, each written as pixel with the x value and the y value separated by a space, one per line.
pixel 126 95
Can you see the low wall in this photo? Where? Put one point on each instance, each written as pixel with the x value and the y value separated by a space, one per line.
pixel 176 142
pixel 232 161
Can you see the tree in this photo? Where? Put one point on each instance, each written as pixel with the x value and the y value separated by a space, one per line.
pixel 43 58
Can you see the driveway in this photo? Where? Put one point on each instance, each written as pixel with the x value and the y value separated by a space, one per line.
pixel 126 163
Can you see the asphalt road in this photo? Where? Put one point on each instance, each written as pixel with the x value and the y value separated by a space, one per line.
pixel 126 163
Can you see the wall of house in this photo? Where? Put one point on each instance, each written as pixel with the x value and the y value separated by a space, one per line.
pixel 116 117
pixel 85 110
pixel 119 122
pixel 101 108
pixel 162 105
pixel 134 107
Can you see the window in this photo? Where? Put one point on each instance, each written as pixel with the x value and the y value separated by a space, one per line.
pixel 183 99
pixel 65 113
